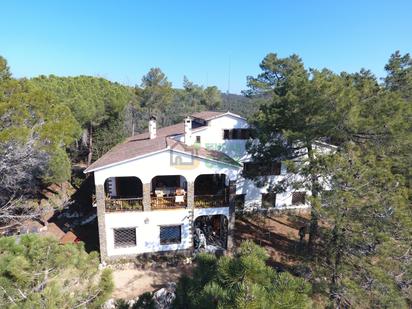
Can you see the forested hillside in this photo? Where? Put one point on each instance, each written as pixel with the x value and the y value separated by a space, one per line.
pixel 49 123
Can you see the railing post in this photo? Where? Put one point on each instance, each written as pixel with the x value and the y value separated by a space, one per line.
pixel 191 195
pixel 191 206
pixel 146 197
pixel 101 204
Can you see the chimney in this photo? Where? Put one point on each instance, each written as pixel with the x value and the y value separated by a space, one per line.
pixel 152 127
pixel 188 131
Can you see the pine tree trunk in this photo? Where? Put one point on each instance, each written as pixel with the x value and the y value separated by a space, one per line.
pixel 90 155
pixel 314 216
pixel 313 229
pixel 338 250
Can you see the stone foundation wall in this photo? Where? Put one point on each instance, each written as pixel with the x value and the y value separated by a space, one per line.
pixel 101 209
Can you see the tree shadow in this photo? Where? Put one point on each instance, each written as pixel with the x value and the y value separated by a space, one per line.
pixel 284 251
pixel 81 201
pixel 294 222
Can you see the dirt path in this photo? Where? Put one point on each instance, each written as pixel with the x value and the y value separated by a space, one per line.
pixel 130 283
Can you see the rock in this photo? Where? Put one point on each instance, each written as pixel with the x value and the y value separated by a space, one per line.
pixel 110 304
pixel 164 297
pixel 187 261
pixel 132 302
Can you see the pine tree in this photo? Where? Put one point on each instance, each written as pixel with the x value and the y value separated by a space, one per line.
pixel 38 272
pixel 302 107
pixel 242 281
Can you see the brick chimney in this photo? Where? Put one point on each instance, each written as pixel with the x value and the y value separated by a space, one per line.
pixel 188 131
pixel 152 127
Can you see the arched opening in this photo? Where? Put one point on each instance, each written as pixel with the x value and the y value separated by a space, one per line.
pixel 211 191
pixel 211 233
pixel 168 192
pixel 123 194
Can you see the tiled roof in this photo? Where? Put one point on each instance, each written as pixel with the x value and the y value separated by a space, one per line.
pixel 175 129
pixel 139 145
pixel 207 115
pixel 201 152
pixel 129 149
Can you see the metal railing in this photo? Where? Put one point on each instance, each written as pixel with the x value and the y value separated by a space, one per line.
pixel 124 204
pixel 211 201
pixel 168 202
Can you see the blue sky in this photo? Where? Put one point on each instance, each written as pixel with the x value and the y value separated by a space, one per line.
pixel 122 40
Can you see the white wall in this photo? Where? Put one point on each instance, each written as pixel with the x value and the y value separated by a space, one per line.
pixel 145 168
pixel 211 212
pixel 253 193
pixel 147 226
pixel 211 136
pixel 147 234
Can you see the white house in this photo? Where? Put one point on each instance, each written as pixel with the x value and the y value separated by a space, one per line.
pixel 176 188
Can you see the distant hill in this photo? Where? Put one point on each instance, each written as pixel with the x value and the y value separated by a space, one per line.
pixel 238 104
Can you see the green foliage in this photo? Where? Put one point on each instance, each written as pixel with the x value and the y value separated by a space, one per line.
pixel 108 135
pixel 370 223
pixel 38 272
pixel 242 281
pixel 90 99
pixel 399 78
pixel 4 69
pixel 365 206
pixel 26 111
pixel 30 114
pixel 145 301
pixel 58 168
pixel 155 96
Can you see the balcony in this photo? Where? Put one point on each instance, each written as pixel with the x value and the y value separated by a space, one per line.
pixel 211 201
pixel 168 202
pixel 124 204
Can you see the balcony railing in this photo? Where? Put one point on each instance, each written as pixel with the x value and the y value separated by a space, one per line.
pixel 124 204
pixel 211 201
pixel 168 202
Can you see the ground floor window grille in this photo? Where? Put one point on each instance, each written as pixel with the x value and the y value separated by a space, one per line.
pixel 171 234
pixel 298 198
pixel 268 200
pixel 124 237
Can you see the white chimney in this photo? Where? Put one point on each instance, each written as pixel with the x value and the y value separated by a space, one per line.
pixel 188 131
pixel 152 127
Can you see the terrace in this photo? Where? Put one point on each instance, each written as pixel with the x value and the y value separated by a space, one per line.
pixel 166 192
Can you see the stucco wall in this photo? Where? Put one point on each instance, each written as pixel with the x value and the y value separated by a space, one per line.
pixel 211 137
pixel 147 226
pixel 145 168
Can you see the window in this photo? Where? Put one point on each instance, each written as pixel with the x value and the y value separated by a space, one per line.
pixel 124 237
pixel 197 139
pixel 298 198
pixel 268 200
pixel 245 134
pixel 262 169
pixel 171 234
pixel 237 134
pixel 239 200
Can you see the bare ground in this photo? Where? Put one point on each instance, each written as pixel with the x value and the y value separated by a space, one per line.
pixel 130 283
